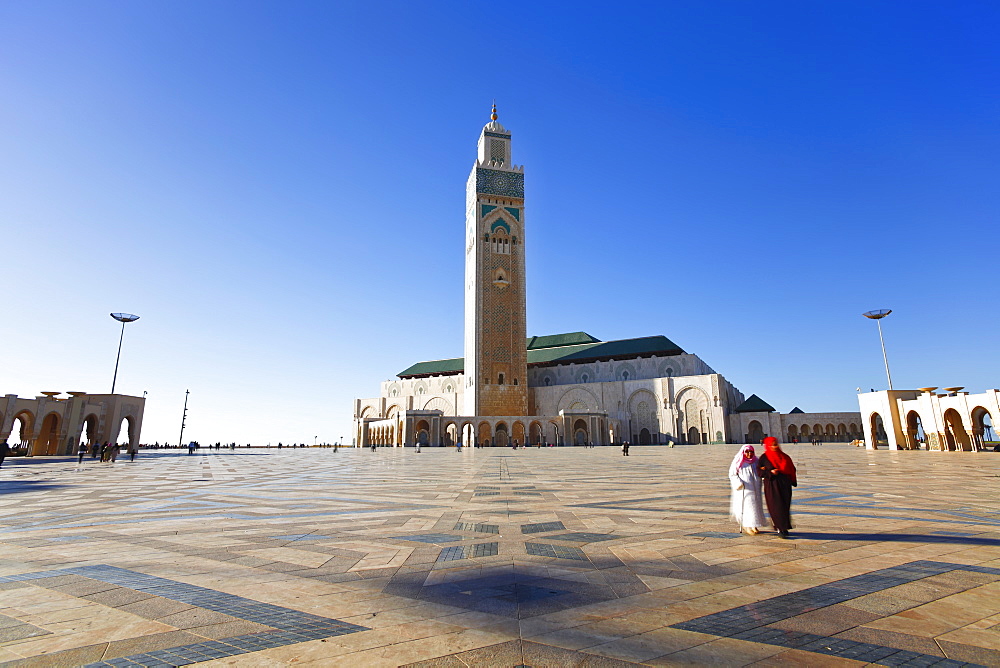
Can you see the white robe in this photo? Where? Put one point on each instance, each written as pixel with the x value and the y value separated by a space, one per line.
pixel 746 506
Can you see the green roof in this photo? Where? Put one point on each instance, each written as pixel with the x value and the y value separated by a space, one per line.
pixel 604 350
pixel 552 354
pixel 435 368
pixel 555 340
pixel 796 410
pixel 755 405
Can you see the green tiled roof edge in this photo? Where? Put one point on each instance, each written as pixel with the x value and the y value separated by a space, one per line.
pixel 647 345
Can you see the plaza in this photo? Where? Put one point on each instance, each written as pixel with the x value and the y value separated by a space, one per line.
pixel 496 557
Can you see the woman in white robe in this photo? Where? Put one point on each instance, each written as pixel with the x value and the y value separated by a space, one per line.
pixel 746 506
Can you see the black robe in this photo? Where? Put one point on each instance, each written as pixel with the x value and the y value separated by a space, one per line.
pixel 777 494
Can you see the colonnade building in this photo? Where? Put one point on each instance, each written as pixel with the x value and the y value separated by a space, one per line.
pixel 564 389
pixel 52 425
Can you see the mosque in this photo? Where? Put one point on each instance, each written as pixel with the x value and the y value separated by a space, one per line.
pixel 562 389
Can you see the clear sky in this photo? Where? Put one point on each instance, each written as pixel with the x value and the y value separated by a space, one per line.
pixel 277 189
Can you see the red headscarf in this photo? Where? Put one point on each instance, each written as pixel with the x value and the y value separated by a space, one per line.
pixel 779 459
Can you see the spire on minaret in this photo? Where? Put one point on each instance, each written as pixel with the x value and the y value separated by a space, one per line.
pixel 494 124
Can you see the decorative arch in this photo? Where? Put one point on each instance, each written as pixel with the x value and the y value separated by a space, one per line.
pixel 439 404
pixel 879 436
pixel 625 371
pixel 48 435
pixel 955 433
pixel 666 370
pixel 27 421
pixel 535 432
pixel 367 411
pixel 578 395
pixel 392 411
pixel 485 434
pixel 88 428
pixel 692 404
pixel 517 432
pixel 982 426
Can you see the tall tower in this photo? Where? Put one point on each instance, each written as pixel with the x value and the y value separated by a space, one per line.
pixel 496 357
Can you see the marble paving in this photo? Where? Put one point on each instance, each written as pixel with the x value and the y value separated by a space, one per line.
pixel 534 557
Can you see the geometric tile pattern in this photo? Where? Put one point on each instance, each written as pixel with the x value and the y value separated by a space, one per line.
pixel 585 537
pixel 386 558
pixel 286 626
pixel 480 528
pixel 541 527
pixel 557 551
pixel 755 622
pixel 469 551
pixel 432 538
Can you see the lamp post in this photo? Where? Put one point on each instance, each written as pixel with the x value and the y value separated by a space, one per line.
pixel 180 441
pixel 877 315
pixel 122 318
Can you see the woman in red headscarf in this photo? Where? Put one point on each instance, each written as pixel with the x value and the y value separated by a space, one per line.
pixel 778 475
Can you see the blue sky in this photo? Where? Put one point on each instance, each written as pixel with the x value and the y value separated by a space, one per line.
pixel 278 190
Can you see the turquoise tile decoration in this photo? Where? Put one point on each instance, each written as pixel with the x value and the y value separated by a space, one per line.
pixel 497 135
pixel 499 222
pixel 514 212
pixel 500 183
pixel 486 209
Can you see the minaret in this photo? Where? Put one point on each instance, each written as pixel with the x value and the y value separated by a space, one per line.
pixel 496 358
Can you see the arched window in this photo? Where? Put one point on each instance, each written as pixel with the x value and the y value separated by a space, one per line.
pixel 515 381
pixel 584 378
pixel 548 381
pixel 500 379
pixel 420 390
pixel 624 375
pixel 449 389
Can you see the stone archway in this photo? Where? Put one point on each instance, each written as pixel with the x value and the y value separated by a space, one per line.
pixel 24 426
pixel 581 434
pixel 485 434
pixel 879 437
pixel 958 438
pixel 88 430
pixel 755 432
pixel 501 438
pixel 982 427
pixel 694 436
pixel 47 442
pixel 518 433
pixel 914 431
pixel 535 433
pixel 422 433
pixel 644 436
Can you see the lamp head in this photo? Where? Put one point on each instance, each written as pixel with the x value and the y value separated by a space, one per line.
pixel 124 317
pixel 877 314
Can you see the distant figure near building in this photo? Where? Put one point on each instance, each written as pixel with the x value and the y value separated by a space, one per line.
pixel 4 451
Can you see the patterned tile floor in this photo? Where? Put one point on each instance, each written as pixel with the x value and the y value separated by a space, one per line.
pixel 550 557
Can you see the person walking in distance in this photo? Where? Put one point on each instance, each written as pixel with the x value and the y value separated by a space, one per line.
pixel 4 450
pixel 777 474
pixel 625 448
pixel 82 452
pixel 745 505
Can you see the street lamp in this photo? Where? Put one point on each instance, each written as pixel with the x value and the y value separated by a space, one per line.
pixel 122 318
pixel 877 315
